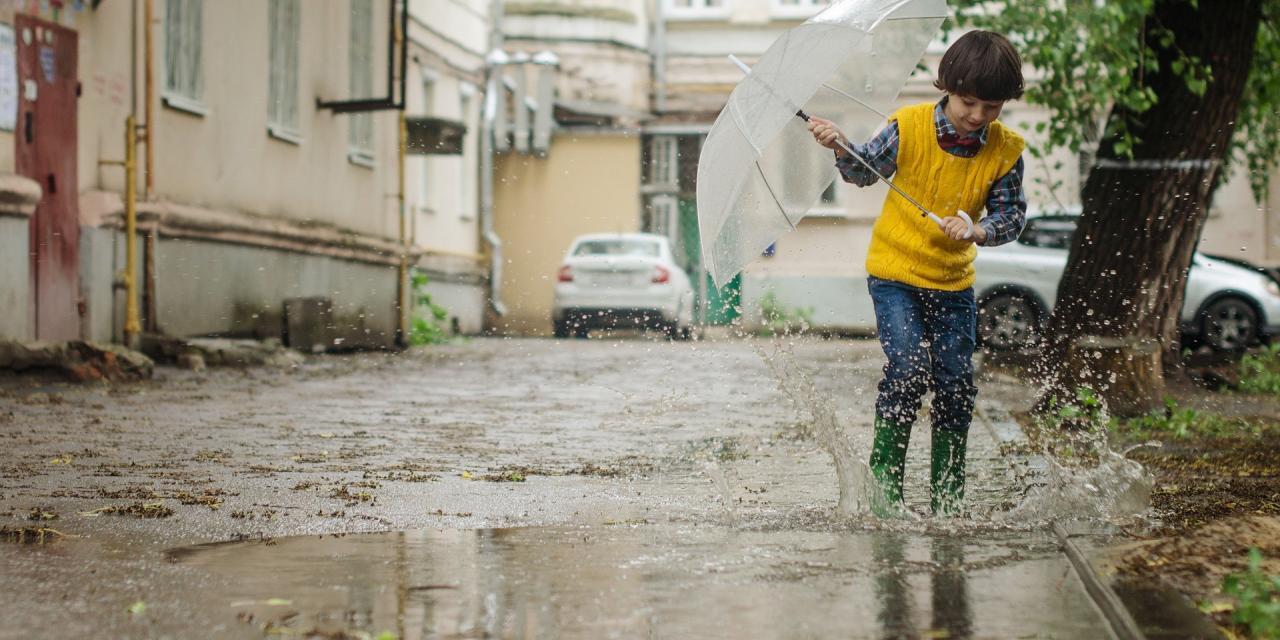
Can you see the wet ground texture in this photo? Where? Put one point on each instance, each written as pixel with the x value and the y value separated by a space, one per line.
pixel 518 488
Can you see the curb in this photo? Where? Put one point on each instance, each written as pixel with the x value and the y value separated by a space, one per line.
pixel 1005 430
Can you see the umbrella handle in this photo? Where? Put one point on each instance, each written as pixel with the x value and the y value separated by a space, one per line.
pixel 967 220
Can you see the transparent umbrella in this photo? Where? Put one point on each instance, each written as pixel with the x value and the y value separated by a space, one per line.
pixel 760 171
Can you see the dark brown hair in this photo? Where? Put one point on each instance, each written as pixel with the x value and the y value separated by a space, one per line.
pixel 982 64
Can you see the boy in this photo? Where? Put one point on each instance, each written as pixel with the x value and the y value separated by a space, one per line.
pixel 952 155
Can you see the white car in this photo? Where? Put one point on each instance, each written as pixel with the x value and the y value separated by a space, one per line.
pixel 622 281
pixel 1227 306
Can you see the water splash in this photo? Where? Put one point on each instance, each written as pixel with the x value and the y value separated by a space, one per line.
pixel 720 478
pixel 1078 476
pixel 852 474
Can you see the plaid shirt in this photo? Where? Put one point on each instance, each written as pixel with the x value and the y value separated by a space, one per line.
pixel 1006 202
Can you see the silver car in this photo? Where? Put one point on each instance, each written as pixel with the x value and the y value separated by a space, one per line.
pixel 622 281
pixel 1227 306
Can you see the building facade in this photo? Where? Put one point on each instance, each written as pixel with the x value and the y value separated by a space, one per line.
pixel 253 195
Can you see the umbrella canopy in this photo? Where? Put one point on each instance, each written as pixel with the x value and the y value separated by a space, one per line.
pixel 760 171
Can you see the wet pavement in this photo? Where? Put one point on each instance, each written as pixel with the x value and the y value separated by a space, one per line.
pixel 523 488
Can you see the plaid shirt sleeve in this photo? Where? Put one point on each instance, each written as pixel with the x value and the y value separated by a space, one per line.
pixel 880 152
pixel 1006 208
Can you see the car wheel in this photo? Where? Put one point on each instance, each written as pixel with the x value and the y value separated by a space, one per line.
pixel 580 330
pixel 561 328
pixel 1229 324
pixel 671 329
pixel 1008 322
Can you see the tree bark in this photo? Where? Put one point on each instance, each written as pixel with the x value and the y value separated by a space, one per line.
pixel 1142 218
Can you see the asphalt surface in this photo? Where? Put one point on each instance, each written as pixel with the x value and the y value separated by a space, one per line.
pixel 521 488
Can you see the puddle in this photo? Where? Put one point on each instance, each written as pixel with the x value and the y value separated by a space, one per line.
pixel 648 581
pixel 1162 613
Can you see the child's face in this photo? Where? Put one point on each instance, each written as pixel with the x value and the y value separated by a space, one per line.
pixel 970 114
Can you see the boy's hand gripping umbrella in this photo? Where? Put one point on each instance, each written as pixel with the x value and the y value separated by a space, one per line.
pixel 759 171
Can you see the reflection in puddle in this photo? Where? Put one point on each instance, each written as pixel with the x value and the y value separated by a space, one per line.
pixel 650 581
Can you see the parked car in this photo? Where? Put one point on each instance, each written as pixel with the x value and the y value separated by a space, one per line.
pixel 622 281
pixel 1226 306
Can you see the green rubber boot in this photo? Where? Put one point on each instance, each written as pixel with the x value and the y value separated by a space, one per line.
pixel 946 474
pixel 888 464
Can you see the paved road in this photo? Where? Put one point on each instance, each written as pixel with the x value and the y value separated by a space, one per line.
pixel 602 488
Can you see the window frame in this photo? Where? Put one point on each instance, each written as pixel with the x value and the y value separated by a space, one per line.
pixel 698 10
pixel 804 10
pixel 361 130
pixel 183 21
pixel 284 69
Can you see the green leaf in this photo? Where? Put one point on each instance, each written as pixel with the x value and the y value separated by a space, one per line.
pixel 137 608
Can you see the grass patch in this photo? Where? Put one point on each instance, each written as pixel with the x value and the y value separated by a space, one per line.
pixel 1184 422
pixel 1257 598
pixel 1260 372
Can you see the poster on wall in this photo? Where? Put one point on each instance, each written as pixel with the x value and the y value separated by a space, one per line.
pixel 8 79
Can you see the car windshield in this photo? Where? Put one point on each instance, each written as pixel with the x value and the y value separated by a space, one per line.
pixel 1049 232
pixel 644 248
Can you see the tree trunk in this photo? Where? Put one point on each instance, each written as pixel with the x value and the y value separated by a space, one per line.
pixel 1142 218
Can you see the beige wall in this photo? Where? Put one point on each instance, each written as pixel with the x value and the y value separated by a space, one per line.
pixel 225 159
pixel 589 182
pixel 448 41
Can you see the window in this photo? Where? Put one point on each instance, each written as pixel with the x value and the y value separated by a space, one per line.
pixel 664 215
pixel 698 8
pixel 183 42
pixel 798 8
pixel 466 96
pixel 360 80
pixel 664 161
pixel 1049 232
pixel 643 248
pixel 282 89
pixel 428 108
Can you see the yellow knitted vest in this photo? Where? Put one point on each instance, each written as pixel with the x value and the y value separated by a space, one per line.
pixel 908 247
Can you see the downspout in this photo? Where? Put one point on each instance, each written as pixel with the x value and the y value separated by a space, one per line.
pixel 149 307
pixel 659 57
pixel 404 301
pixel 148 104
pixel 493 85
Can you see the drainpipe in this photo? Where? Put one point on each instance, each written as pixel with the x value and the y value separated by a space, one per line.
pixel 148 16
pixel 493 85
pixel 659 57
pixel 402 289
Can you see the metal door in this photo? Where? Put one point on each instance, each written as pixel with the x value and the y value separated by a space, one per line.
pixel 45 151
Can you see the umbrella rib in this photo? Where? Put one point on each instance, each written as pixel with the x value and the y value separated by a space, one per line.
pixel 776 201
pixel 850 96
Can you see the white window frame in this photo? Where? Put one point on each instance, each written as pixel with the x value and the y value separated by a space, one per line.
pixel 360 126
pixel 802 10
pixel 283 115
pixel 665 217
pixel 697 10
pixel 429 84
pixel 664 162
pixel 466 186
pixel 183 56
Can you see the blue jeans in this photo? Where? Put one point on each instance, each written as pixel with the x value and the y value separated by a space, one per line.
pixel 928 337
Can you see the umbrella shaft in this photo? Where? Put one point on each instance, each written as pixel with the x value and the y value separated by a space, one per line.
pixel 847 149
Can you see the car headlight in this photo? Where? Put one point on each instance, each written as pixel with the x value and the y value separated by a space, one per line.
pixel 1273 288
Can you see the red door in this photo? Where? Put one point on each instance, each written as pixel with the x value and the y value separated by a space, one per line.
pixel 46 152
